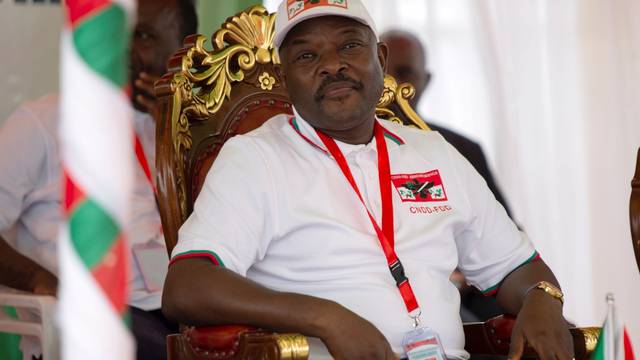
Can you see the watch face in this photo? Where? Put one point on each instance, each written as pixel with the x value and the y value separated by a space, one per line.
pixel 551 290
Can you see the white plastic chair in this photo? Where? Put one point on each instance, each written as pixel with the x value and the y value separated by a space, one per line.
pixel 44 330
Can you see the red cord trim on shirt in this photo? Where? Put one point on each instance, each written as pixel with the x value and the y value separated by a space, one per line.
pixel 215 259
pixel 294 125
pixel 393 137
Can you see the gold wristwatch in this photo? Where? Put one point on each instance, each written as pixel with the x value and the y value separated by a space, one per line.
pixel 549 288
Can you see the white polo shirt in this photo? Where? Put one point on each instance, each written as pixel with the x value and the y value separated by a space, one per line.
pixel 278 210
pixel 30 190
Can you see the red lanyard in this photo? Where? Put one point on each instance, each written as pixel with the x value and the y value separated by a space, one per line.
pixel 142 160
pixel 386 234
pixel 144 164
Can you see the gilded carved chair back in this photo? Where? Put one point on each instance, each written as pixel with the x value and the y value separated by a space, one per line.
pixel 209 96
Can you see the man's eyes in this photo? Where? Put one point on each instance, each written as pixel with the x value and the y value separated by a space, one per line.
pixel 308 56
pixel 352 45
pixel 143 35
pixel 305 56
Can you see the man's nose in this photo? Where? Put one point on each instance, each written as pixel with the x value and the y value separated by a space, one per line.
pixel 332 64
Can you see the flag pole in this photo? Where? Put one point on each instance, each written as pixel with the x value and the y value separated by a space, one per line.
pixel 609 331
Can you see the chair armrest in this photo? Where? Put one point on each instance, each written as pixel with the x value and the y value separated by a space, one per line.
pixel 44 306
pixel 493 337
pixel 235 342
pixel 44 329
pixel 14 298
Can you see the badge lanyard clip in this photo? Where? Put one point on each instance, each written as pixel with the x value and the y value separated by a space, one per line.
pixel 416 317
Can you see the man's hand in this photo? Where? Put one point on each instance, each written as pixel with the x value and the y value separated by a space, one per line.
pixel 348 336
pixel 22 273
pixel 345 334
pixel 44 283
pixel 541 325
pixel 145 97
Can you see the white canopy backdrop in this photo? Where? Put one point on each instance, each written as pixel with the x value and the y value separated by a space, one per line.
pixel 551 90
pixel 29 39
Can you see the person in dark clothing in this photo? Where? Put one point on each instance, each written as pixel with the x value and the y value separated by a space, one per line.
pixel 472 151
pixel 30 210
pixel 408 63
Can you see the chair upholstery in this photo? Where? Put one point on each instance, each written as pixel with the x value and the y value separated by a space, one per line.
pixel 491 338
pixel 634 210
pixel 235 342
pixel 208 97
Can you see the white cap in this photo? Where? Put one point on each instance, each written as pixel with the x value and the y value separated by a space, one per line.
pixel 293 12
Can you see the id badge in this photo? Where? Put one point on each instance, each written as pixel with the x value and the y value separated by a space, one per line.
pixel 423 343
pixel 153 263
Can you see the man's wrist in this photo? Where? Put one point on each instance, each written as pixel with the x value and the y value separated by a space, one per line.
pixel 42 282
pixel 318 315
pixel 547 288
pixel 540 297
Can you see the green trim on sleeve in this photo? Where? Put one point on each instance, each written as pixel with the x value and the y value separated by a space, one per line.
pixel 198 253
pixel 494 289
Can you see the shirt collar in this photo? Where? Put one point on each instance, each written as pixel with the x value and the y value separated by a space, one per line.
pixel 308 133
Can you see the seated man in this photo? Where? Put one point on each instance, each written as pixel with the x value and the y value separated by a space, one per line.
pixel 301 224
pixel 30 189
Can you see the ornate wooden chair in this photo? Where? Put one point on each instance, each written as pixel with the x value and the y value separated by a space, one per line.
pixel 208 97
pixel 634 211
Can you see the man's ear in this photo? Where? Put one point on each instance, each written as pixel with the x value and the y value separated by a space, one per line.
pixel 427 78
pixel 383 54
pixel 280 73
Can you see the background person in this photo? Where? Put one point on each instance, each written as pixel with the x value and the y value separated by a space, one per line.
pixel 30 190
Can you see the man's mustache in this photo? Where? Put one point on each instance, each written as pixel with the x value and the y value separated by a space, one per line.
pixel 330 79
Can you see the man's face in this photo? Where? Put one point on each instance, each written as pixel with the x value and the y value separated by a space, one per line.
pixel 157 35
pixel 333 69
pixel 407 63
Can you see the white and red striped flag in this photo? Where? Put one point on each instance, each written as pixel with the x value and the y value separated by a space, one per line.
pixel 614 342
pixel 97 160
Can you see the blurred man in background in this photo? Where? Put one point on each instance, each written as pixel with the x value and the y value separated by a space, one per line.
pixel 30 189
pixel 408 63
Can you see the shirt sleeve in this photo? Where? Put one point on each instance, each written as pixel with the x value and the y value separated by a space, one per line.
pixel 233 217
pixel 22 157
pixel 490 247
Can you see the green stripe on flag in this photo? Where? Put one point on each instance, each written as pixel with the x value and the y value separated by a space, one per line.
pixel 93 231
pixel 102 42
pixel 598 353
pixel 126 318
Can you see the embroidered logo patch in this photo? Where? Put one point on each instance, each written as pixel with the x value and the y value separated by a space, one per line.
pixel 422 187
pixel 296 7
